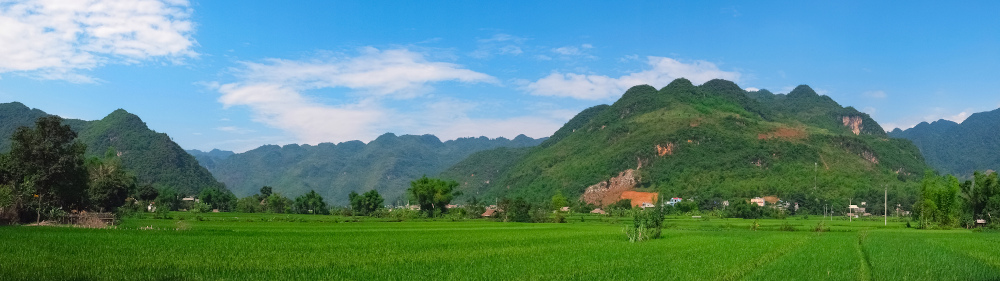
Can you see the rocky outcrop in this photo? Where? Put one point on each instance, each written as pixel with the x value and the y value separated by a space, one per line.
pixel 667 149
pixel 609 191
pixel 870 156
pixel 853 122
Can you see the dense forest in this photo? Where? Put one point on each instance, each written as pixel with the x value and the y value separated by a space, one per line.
pixel 386 164
pixel 958 149
pixel 153 157
pixel 711 143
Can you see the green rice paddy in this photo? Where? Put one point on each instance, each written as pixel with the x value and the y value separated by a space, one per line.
pixel 230 246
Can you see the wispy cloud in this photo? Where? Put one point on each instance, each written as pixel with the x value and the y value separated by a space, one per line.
pixel 49 39
pixel 275 92
pixel 574 51
pixel 593 87
pixel 499 44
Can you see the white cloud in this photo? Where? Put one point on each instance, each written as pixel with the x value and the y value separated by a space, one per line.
pixel 751 89
pixel 399 72
pixel 875 94
pixel 592 87
pixel 573 50
pixel 273 90
pixel 52 39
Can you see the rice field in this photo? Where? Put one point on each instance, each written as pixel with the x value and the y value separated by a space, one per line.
pixel 230 246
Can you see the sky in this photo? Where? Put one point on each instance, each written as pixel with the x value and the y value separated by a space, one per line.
pixel 236 75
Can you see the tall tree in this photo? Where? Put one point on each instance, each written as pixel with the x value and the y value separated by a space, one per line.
pixel 433 194
pixel 366 203
pixel 110 183
pixel 50 162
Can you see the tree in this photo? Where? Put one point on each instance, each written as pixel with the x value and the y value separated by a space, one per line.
pixel 366 203
pixel 265 191
pixel 168 199
pixel 147 192
pixel 559 201
pixel 223 200
pixel 249 204
pixel 433 194
pixel 49 163
pixel 110 182
pixel 278 204
pixel 310 202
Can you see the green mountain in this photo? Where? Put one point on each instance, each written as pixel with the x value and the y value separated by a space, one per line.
pixel 152 156
pixel 211 158
pixel 959 149
pixel 712 143
pixel 387 164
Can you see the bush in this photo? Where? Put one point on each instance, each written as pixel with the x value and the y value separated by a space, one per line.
pixel 646 224
pixel 786 227
pixel 821 227
pixel 162 213
pixel 200 208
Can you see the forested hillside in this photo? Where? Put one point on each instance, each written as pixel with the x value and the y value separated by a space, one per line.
pixel 959 149
pixel 387 165
pixel 712 143
pixel 152 156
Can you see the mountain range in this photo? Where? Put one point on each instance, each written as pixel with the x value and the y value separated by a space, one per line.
pixel 959 149
pixel 386 164
pixel 153 157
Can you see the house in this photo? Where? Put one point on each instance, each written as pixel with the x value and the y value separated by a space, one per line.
pixel 647 205
pixel 598 211
pixel 759 201
pixel 190 198
pixel 489 212
pixel 564 209
pixel 674 201
pixel 451 206
pixel 640 199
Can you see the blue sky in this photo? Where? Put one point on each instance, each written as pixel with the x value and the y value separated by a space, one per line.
pixel 239 74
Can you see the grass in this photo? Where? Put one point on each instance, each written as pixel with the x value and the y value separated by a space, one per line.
pixel 259 246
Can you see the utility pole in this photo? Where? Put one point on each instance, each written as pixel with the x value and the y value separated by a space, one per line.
pixel 849 202
pixel 815 173
pixel 885 205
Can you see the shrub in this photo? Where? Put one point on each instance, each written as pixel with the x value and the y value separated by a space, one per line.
pixel 200 208
pixel 162 213
pixel 646 224
pixel 786 227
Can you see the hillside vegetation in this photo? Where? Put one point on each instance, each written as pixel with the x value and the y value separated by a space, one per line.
pixel 959 149
pixel 711 143
pixel 387 165
pixel 153 157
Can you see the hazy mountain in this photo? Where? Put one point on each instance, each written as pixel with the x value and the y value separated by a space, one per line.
pixel 152 156
pixel 711 142
pixel 387 164
pixel 955 148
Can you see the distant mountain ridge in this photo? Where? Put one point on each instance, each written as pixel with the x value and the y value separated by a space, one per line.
pixel 956 148
pixel 386 164
pixel 152 156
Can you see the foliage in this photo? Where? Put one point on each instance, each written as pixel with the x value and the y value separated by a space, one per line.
pixel 147 192
pixel 110 183
pixel 646 224
pixel 279 204
pixel 938 203
pixel 366 203
pixel 624 204
pixel 433 194
pixel 312 203
pixel 221 199
pixel 168 199
pixel 742 208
